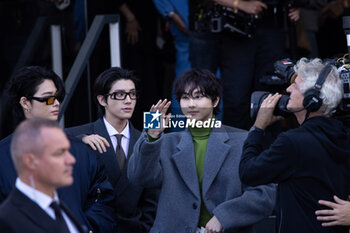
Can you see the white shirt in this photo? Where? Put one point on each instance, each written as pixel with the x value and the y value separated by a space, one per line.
pixel 44 201
pixel 125 139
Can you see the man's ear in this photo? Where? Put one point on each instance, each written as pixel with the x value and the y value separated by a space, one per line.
pixel 25 104
pixel 216 102
pixel 29 161
pixel 102 100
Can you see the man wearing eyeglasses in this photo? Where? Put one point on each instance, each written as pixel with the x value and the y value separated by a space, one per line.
pixel 113 137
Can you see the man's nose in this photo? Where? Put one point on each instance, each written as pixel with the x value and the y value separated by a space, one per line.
pixel 127 98
pixel 70 158
pixel 191 102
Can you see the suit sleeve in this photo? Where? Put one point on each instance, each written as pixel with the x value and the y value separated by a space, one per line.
pixel 259 166
pixel 78 132
pixel 148 207
pixel 255 204
pixel 143 218
pixel 5 226
pixel 98 208
pixel 164 7
pixel 8 172
pixel 144 167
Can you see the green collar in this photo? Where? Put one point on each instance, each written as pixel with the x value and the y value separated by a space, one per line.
pixel 200 132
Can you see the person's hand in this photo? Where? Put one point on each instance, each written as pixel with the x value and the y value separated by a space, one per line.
pixel 294 14
pixel 333 9
pixel 213 226
pixel 96 142
pixel 265 114
pixel 180 24
pixel 161 107
pixel 339 214
pixel 251 7
pixel 132 31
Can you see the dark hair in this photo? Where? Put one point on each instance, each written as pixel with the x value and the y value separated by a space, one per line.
pixel 105 80
pixel 209 85
pixel 25 83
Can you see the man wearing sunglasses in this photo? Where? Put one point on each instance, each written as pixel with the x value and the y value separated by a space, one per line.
pixel 35 92
pixel 49 100
pixel 112 137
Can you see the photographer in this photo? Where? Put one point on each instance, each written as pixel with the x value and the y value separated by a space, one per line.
pixel 309 163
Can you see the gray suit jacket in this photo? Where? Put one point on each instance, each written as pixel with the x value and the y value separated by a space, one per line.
pixel 169 162
pixel 134 205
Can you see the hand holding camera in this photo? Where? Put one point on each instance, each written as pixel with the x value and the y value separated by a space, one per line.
pixel 266 116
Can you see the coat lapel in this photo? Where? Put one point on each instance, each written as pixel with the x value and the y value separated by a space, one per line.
pixel 184 160
pixel 134 136
pixel 217 150
pixel 33 212
pixel 109 158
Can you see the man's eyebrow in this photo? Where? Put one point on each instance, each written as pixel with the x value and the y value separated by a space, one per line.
pixel 124 90
pixel 47 93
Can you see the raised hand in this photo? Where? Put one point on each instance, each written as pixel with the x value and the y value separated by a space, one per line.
pixel 161 107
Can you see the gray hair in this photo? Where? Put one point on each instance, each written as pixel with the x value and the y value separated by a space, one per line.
pixel 332 90
pixel 27 139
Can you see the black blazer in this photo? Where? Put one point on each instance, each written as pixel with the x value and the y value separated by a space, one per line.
pixel 89 198
pixel 135 205
pixel 20 214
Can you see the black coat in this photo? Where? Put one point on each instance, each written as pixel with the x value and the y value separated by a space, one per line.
pixel 90 196
pixel 135 205
pixel 308 163
pixel 20 214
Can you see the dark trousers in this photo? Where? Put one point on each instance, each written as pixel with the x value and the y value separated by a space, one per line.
pixel 241 62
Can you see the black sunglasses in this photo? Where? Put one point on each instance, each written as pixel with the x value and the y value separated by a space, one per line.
pixel 121 95
pixel 49 100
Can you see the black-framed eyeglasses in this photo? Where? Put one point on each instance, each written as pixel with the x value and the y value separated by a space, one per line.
pixel 49 100
pixel 121 95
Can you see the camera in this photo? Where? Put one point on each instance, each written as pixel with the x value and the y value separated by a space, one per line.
pixel 285 75
pixel 344 75
pixel 258 97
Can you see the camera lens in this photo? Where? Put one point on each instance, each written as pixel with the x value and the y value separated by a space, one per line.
pixel 258 97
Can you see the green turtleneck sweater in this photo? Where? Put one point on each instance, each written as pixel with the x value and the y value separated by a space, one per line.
pixel 200 138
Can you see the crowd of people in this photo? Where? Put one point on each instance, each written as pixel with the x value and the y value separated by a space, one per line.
pixel 222 173
pixel 203 179
pixel 153 31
